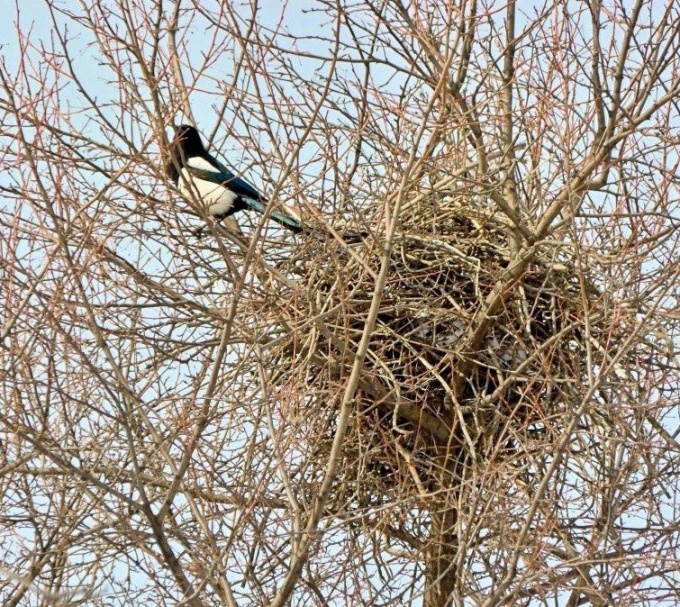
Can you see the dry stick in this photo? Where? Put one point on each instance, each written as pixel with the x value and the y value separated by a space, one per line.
pixel 129 394
pixel 304 136
pixel 300 558
pixel 130 397
pixel 176 66
pixel 497 596
pixel 509 186
pixel 155 521
pixel 504 286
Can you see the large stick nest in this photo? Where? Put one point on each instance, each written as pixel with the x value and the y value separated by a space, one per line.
pixel 418 422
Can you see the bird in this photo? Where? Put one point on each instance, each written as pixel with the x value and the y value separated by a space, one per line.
pixel 199 174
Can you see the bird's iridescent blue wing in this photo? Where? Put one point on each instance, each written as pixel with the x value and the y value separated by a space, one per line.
pixel 210 169
pixel 236 184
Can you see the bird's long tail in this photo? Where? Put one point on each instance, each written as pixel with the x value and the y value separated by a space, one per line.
pixel 287 221
pixel 295 225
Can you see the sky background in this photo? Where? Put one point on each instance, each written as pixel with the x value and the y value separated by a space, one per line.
pixel 147 206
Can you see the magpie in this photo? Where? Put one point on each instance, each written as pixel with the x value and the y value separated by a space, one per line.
pixel 198 173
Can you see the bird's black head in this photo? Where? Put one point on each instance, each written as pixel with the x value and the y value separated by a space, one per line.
pixel 188 140
pixel 187 143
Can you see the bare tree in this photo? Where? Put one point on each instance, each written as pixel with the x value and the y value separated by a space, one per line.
pixel 474 404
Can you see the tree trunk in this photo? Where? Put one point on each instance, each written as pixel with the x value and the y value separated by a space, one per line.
pixel 440 568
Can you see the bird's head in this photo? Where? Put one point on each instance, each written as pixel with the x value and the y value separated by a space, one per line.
pixel 187 143
pixel 188 140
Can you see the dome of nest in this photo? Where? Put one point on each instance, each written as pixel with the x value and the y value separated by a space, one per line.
pixel 426 401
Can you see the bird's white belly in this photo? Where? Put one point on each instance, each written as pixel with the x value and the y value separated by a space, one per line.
pixel 217 199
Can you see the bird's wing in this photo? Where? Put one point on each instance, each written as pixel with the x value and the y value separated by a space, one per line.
pixel 210 169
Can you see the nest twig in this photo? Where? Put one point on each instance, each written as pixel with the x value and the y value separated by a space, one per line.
pixel 412 430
